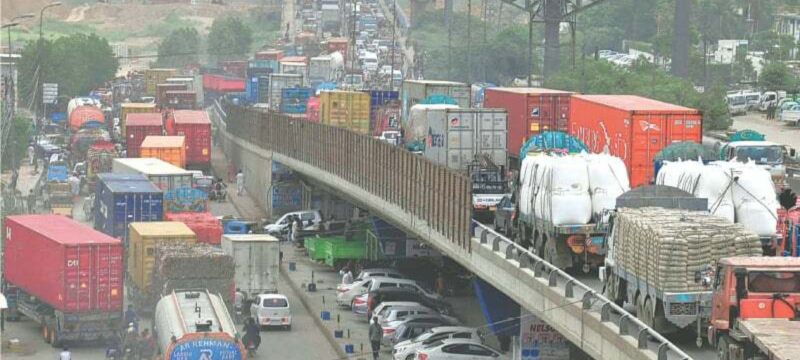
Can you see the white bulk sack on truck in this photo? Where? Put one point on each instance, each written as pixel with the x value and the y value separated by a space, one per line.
pixel 608 179
pixel 709 182
pixel 754 198
pixel 556 189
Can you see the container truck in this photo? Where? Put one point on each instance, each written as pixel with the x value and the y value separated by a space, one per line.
pixel 161 91
pixel 99 158
pixel 417 91
pixel 257 259
pixel 655 256
pixel 295 101
pixel 153 77
pixel 180 100
pixel 278 82
pixel 272 54
pixel 121 199
pixel 325 68
pixel 138 127
pixel 143 240
pixel 237 68
pixel 171 149
pixel 196 127
pixel 86 116
pixel 65 276
pixel 531 111
pixel 632 128
pixel 378 100
pixel 164 175
pixel 347 109
pixel 298 68
pixel 330 18
pixel 180 335
pixel 132 108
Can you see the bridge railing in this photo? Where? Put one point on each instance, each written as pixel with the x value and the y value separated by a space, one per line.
pixel 427 191
pixel 591 300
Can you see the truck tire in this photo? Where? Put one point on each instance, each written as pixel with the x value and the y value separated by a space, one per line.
pixel 723 347
pixel 649 313
pixel 45 332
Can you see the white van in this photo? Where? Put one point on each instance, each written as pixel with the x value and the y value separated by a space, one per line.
pixel 283 224
pixel 370 61
pixel 272 310
pixel 345 296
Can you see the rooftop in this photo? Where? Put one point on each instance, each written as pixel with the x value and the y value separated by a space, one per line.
pixel 63 229
pixel 143 119
pixel 634 103
pixel 532 90
pixel 191 117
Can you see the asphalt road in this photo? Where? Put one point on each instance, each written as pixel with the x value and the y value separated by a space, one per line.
pixel 304 341
pixel 774 130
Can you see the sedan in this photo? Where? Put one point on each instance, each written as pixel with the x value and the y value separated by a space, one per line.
pixel 456 349
pixel 390 328
pixel 360 305
pixel 404 350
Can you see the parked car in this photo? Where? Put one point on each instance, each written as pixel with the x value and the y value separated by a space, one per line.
pixel 400 312
pixel 379 296
pixel 404 350
pixel 359 305
pixel 504 216
pixel 391 327
pixel 456 349
pixel 283 224
pixel 408 331
pixel 272 310
pixel 345 295
pixel 371 273
pixel 790 114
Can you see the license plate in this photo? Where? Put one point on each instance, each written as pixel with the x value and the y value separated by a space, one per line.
pixel 492 208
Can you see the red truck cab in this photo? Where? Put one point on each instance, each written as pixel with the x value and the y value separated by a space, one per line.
pixel 751 288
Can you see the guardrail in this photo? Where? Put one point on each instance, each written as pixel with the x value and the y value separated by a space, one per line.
pixel 438 196
pixel 591 300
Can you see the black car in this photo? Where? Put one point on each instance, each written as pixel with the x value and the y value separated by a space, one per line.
pixel 380 295
pixel 504 216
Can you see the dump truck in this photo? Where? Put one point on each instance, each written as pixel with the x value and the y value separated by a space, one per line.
pixel 754 302
pixel 655 255
pixel 65 276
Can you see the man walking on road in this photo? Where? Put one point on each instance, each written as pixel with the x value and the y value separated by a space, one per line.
pixel 65 354
pixel 239 182
pixel 375 336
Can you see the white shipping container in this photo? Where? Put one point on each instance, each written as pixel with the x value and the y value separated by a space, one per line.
pixel 415 91
pixel 455 136
pixel 278 82
pixel 257 259
pixel 298 68
pixel 164 175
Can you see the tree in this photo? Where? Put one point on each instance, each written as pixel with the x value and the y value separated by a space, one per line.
pixel 229 38
pixel 15 142
pixel 180 48
pixel 777 76
pixel 77 63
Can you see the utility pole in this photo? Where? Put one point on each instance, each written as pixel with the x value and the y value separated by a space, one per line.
pixel 448 16
pixel 529 53
pixel 394 31
pixel 40 114
pixel 552 37
pixel 681 38
pixel 485 18
pixel 469 41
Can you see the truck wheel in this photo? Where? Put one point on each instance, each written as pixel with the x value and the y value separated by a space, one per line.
pixel 45 333
pixel 723 347
pixel 54 340
pixel 649 313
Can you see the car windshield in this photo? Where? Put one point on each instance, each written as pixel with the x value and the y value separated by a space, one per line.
pixel 424 336
pixel 274 303
pixel 760 154
pixel 737 100
pixel 773 281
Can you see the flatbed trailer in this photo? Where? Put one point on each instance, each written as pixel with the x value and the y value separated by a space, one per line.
pixel 774 339
pixel 565 245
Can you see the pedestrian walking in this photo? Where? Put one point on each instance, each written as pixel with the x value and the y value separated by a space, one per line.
pixel 31 154
pixel 347 276
pixel 375 336
pixel 239 182
pixel 65 354
pixel 74 185
pixel 31 202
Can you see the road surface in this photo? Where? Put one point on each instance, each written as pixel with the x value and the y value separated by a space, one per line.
pixel 775 131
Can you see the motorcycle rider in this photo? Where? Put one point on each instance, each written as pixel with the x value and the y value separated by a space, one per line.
pixel 252 334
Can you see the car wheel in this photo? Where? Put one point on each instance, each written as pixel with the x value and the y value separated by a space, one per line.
pixel 410 357
pixel 288 327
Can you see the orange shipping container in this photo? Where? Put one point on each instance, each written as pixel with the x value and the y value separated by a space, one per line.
pixel 171 149
pixel 632 128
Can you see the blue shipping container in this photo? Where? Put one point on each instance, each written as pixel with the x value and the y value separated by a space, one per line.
pixel 251 89
pixel 378 98
pixel 121 199
pixel 295 100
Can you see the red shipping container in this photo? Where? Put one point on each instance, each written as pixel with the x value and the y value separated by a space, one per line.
pixel 223 84
pixel 138 127
pixel 269 55
pixel 632 128
pixel 338 44
pixel 530 112
pixel 180 100
pixel 68 265
pixel 196 127
pixel 207 227
pixel 312 109
pixel 236 68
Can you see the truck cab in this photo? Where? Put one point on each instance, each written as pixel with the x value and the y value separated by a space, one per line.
pixel 748 291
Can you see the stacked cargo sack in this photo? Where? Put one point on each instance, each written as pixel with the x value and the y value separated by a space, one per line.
pixel 181 266
pixel 608 179
pixel 667 247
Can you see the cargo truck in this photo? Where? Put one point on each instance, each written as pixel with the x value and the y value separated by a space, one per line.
pixel 99 159
pixel 257 259
pixel 196 127
pixel 278 82
pixel 346 109
pixel 171 149
pixel 195 324
pixel 748 145
pixel 164 175
pixel 656 254
pixel 137 127
pixel 65 276
pixel 417 91
pixel 121 199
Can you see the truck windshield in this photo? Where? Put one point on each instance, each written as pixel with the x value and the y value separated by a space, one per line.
pixel 488 182
pixel 760 154
pixel 773 281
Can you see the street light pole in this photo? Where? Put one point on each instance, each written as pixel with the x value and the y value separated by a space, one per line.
pixel 13 23
pixel 38 90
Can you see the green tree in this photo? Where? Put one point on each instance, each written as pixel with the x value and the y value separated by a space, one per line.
pixel 180 48
pixel 777 76
pixel 77 63
pixel 15 144
pixel 229 38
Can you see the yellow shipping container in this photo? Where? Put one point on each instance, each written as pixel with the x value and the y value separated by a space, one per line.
pixel 130 108
pixel 143 237
pixel 171 149
pixel 153 77
pixel 347 109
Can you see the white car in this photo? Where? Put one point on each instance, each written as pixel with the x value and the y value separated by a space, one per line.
pixel 456 349
pixel 405 350
pixel 272 310
pixel 345 295
pixel 283 224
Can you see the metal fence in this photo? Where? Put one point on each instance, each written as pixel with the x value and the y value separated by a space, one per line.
pixel 435 194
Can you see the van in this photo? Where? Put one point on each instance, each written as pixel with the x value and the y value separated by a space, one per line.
pixel 272 310
pixel 345 296
pixel 283 224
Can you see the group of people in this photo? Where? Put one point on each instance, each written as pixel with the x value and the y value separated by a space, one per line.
pixel 772 109
pixel 132 344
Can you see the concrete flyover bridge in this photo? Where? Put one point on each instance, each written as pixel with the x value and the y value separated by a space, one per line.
pixel 434 204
